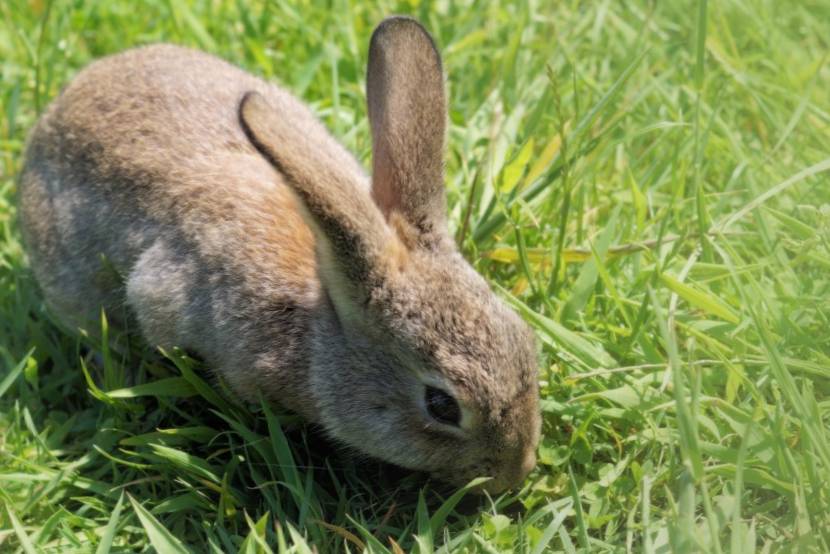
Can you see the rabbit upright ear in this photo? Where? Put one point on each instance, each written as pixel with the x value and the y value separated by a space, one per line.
pixel 342 214
pixel 407 111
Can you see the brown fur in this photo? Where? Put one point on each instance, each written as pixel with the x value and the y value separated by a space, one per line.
pixel 243 231
pixel 408 126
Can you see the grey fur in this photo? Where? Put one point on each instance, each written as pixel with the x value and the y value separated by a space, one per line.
pixel 243 231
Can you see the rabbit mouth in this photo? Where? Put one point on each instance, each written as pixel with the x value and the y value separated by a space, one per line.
pixel 463 477
pixel 497 482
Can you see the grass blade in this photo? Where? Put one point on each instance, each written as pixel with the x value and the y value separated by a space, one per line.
pixel 109 531
pixel 12 376
pixel 161 539
pixel 25 542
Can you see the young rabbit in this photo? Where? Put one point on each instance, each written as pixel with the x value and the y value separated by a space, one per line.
pixel 212 208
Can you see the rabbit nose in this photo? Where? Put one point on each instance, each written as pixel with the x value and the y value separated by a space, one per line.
pixel 527 464
pixel 514 473
pixel 522 466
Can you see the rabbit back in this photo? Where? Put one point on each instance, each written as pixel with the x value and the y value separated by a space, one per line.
pixel 141 194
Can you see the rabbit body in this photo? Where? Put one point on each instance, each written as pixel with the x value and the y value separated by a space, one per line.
pixel 212 208
pixel 141 191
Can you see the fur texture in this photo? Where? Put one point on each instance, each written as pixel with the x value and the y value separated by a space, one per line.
pixel 213 208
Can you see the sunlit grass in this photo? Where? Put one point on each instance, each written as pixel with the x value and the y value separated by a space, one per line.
pixel 646 182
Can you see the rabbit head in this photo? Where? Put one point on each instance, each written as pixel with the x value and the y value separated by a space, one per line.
pixel 417 363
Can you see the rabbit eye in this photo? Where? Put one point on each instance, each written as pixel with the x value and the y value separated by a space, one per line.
pixel 442 406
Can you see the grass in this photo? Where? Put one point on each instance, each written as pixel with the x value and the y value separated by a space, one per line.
pixel 647 182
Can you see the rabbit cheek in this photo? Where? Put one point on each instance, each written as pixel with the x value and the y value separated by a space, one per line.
pixel 357 402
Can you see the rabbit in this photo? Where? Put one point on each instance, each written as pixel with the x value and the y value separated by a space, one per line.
pixel 215 212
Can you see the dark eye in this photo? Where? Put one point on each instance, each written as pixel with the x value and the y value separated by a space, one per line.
pixel 442 406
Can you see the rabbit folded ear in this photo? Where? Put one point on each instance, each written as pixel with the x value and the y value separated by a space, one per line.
pixel 407 111
pixel 356 241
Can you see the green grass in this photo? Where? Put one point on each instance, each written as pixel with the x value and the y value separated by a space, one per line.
pixel 647 182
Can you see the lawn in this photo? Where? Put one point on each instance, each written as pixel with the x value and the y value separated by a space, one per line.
pixel 648 183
